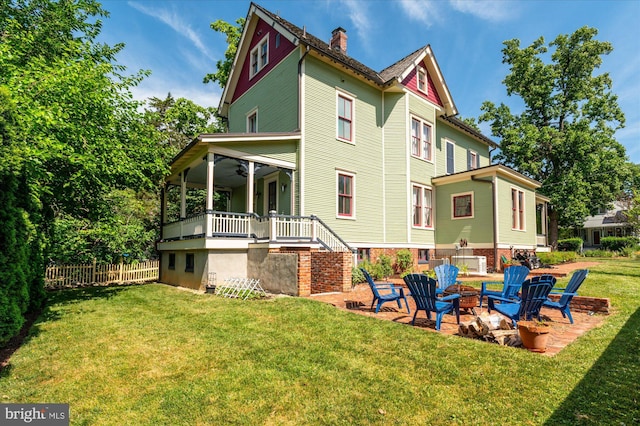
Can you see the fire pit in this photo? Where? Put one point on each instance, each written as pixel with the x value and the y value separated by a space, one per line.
pixel 468 295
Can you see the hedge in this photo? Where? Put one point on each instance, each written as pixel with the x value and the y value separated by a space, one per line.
pixel 618 243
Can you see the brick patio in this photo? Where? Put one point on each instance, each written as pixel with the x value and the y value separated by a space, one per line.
pixel 358 301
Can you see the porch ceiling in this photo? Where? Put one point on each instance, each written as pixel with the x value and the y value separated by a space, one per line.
pixel 227 173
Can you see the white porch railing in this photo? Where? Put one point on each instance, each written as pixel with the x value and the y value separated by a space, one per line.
pixel 274 228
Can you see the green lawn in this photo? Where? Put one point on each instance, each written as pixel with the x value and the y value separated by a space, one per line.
pixel 157 355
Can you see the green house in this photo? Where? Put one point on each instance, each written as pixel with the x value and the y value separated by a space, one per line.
pixel 327 162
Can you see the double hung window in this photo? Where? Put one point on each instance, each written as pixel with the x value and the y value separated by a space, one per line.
pixel 345 193
pixel 421 134
pixel 422 206
pixel 345 118
pixel 517 209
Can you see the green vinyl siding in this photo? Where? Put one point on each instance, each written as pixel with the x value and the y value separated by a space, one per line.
pixel 506 234
pixel 462 143
pixel 324 154
pixel 395 169
pixel 275 96
pixel 476 230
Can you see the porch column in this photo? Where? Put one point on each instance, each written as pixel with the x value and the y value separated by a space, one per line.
pixel 250 184
pixel 183 194
pixel 208 222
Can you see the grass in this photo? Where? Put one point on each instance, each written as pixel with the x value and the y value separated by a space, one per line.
pixel 156 355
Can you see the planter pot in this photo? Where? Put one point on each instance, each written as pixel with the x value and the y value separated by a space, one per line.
pixel 534 335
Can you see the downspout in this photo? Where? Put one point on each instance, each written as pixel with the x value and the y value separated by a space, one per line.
pixel 494 201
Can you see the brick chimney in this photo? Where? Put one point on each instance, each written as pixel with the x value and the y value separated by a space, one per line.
pixel 339 40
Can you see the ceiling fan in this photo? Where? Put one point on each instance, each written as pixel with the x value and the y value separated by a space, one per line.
pixel 240 171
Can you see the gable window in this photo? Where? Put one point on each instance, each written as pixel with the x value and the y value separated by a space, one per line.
pixel 422 80
pixel 462 205
pixel 517 209
pixel 421 145
pixel 259 56
pixel 472 160
pixel 345 118
pixel 422 206
pixel 345 195
pixel 450 161
pixel 252 122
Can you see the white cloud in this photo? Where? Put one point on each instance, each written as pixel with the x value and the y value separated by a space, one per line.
pixel 489 10
pixel 174 21
pixel 423 11
pixel 358 13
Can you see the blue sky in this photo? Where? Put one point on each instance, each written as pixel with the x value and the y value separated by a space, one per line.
pixel 173 39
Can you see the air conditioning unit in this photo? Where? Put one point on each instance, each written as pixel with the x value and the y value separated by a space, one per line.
pixel 475 264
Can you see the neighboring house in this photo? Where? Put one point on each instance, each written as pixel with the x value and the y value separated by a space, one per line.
pixel 607 223
pixel 347 160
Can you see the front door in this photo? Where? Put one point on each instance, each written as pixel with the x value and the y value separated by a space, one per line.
pixel 596 238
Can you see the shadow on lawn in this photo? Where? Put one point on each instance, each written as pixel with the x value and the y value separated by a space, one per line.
pixel 30 329
pixel 610 391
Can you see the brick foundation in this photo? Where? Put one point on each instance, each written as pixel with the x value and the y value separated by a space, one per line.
pixel 330 271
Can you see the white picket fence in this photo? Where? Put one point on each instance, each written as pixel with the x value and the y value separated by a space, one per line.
pixel 60 276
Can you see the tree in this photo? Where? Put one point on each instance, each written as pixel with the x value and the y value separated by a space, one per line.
pixel 564 138
pixel 233 34
pixel 180 120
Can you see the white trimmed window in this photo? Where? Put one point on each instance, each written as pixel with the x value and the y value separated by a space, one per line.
pixel 252 121
pixel 345 117
pixel 472 160
pixel 462 205
pixel 422 206
pixel 421 139
pixel 450 147
pixel 422 80
pixel 517 209
pixel 259 56
pixel 345 195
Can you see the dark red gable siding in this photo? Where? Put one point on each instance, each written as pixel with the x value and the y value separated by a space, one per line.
pixel 411 83
pixel 275 56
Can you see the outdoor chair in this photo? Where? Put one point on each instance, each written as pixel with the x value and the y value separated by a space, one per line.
pixel 447 275
pixel 534 294
pixel 514 276
pixel 395 293
pixel 568 292
pixel 423 291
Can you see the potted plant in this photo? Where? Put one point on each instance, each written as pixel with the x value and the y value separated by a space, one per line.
pixel 534 334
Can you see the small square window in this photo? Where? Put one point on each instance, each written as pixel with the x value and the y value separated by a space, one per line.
pixel 423 256
pixel 463 206
pixel 364 254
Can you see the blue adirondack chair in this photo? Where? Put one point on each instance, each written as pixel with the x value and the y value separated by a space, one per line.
pixel 534 294
pixel 568 292
pixel 447 275
pixel 423 291
pixel 514 276
pixel 395 293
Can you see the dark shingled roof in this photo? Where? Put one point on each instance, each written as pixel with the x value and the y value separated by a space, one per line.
pixel 456 122
pixel 335 54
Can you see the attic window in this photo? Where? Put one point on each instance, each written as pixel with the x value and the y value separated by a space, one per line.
pixel 422 80
pixel 259 56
